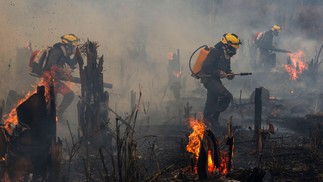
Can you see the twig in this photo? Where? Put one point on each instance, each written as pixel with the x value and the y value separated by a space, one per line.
pixel 103 164
pixel 154 154
pixel 86 171
pixel 118 150
pixel 113 167
pixel 69 129
pixel 119 118
pixel 72 151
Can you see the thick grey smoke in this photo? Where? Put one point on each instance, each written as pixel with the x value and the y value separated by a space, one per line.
pixel 136 35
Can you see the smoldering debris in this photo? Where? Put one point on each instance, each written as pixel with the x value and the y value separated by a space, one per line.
pixel 145 115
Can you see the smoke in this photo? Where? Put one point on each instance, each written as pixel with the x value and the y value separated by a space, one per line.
pixel 136 35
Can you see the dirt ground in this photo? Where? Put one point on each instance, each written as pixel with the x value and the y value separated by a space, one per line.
pixel 292 153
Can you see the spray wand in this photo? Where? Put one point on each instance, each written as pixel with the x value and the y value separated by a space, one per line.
pixel 229 74
pixel 241 74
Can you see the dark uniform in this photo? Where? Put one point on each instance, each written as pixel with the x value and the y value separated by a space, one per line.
pixel 59 56
pixel 265 44
pixel 218 97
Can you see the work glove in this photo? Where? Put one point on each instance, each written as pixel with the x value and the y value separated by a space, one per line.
pixel 230 76
pixel 222 74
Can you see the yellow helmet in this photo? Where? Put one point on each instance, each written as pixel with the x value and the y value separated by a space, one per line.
pixel 231 39
pixel 276 28
pixel 70 39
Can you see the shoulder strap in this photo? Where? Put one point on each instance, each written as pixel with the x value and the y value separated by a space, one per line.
pixel 46 58
pixel 260 36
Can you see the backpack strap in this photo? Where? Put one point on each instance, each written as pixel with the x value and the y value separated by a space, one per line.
pixel 260 36
pixel 46 58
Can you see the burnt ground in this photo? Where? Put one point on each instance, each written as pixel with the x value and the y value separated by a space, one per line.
pixel 293 152
pixel 287 155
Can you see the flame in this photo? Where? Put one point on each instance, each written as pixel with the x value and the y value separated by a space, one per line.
pixel 195 137
pixel 224 162
pixel 194 145
pixel 297 65
pixel 223 169
pixel 11 118
pixel 210 164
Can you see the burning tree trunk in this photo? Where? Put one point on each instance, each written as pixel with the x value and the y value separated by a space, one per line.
pixel 33 137
pixel 93 106
pixel 207 159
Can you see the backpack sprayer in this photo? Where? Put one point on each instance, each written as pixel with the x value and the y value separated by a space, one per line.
pixel 197 68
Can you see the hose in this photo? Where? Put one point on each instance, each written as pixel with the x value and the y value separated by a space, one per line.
pixel 190 60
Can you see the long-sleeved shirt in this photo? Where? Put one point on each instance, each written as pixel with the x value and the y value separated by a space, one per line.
pixel 58 56
pixel 216 61
pixel 265 40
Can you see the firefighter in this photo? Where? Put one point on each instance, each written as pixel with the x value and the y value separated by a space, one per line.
pixel 265 43
pixel 59 56
pixel 217 66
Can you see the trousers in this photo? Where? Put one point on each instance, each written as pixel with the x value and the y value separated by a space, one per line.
pixel 217 100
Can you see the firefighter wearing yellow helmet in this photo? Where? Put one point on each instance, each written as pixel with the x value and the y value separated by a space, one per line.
pixel 231 39
pixel 267 48
pixel 217 66
pixel 70 39
pixel 60 59
pixel 276 29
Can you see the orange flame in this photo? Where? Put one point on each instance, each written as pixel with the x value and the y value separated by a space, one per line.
pixel 297 65
pixel 11 118
pixel 195 137
pixel 224 162
pixel 223 169
pixel 194 145
pixel 210 163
